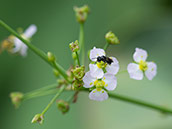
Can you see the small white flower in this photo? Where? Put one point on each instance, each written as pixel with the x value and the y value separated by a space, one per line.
pixel 108 82
pixel 19 46
pixel 137 70
pixel 96 70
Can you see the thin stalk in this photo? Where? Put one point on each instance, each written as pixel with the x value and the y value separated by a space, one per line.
pixel 81 43
pixel 36 50
pixel 53 100
pixel 43 93
pixel 119 97
pixel 42 89
pixel 106 46
pixel 77 58
pixel 140 103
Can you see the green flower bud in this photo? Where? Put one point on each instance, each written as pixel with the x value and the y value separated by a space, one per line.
pixel 111 38
pixel 81 13
pixel 38 118
pixel 77 84
pixel 56 73
pixel 16 98
pixel 63 106
pixel 79 72
pixel 74 46
pixel 51 57
pixel 61 81
pixel 74 55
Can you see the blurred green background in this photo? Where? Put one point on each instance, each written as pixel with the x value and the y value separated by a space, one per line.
pixel 138 23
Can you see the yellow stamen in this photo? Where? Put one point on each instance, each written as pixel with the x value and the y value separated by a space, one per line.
pixel 101 64
pixel 143 65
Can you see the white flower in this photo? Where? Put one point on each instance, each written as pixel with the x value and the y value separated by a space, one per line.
pixel 19 46
pixel 108 82
pixel 96 70
pixel 137 70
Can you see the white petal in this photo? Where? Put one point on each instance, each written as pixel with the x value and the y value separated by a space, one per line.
pixel 110 81
pixel 114 67
pixel 151 71
pixel 17 45
pixel 95 52
pixel 88 80
pixel 98 95
pixel 139 55
pixel 30 31
pixel 95 71
pixel 134 71
pixel 23 50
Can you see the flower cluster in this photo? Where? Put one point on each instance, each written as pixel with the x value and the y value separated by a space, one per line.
pixel 101 76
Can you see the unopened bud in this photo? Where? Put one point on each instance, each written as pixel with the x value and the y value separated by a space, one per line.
pixel 61 81
pixel 74 56
pixel 38 118
pixel 56 73
pixel 81 13
pixel 111 38
pixel 77 84
pixel 79 72
pixel 16 98
pixel 51 57
pixel 74 46
pixel 63 106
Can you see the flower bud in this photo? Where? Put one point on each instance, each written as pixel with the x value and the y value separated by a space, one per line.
pixel 16 98
pixel 74 46
pixel 56 73
pixel 74 55
pixel 111 38
pixel 51 57
pixel 81 13
pixel 79 72
pixel 77 84
pixel 38 118
pixel 61 81
pixel 63 106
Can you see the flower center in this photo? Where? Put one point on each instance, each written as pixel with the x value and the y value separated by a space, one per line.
pixel 99 84
pixel 101 64
pixel 143 65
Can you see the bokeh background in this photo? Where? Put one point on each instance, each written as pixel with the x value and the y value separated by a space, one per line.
pixel 138 23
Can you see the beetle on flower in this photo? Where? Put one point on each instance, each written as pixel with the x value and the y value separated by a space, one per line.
pixel 97 68
pixel 141 66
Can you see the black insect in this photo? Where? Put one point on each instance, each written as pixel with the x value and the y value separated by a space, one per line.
pixel 104 59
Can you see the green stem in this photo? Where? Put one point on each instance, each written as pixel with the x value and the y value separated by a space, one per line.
pixel 121 98
pixel 41 89
pixel 81 43
pixel 37 51
pixel 53 100
pixel 61 71
pixel 77 58
pixel 106 46
pixel 43 93
pixel 140 103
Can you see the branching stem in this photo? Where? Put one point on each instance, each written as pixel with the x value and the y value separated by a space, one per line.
pixel 53 99
pixel 37 51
